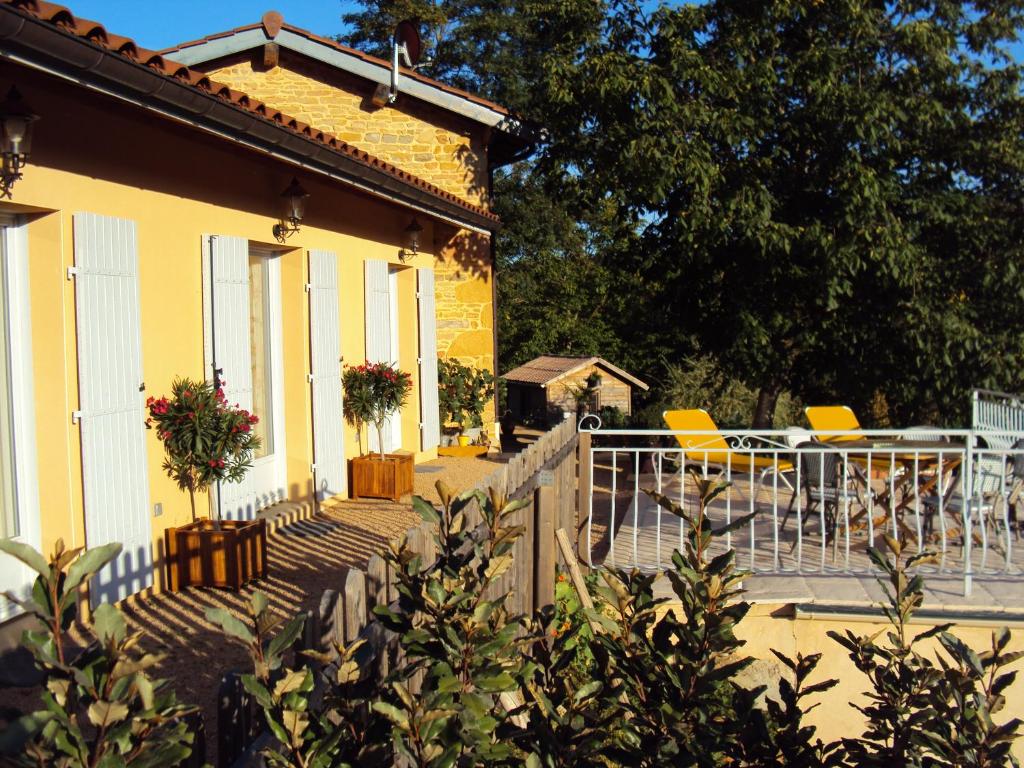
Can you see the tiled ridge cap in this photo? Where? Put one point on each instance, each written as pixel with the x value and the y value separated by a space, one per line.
pixel 63 19
pixel 410 73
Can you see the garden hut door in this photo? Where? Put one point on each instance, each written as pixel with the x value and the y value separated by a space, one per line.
pixel 115 483
pixel 325 376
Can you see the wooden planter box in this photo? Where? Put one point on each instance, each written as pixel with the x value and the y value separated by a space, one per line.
pixel 462 451
pixel 199 555
pixel 377 479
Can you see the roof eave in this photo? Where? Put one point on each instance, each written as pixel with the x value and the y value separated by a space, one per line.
pixel 35 43
pixel 247 39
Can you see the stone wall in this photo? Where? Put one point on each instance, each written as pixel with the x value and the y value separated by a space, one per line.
pixel 432 143
pixel 465 300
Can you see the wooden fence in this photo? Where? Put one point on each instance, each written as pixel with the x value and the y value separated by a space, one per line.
pixel 544 473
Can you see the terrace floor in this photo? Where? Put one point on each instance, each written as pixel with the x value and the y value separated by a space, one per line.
pixel 801 568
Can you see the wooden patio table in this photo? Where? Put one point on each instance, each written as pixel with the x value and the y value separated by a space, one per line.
pixel 931 465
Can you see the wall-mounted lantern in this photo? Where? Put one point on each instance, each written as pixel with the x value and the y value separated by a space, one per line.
pixel 294 198
pixel 411 240
pixel 16 121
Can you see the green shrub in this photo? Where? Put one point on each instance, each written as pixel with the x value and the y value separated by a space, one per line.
pixel 457 638
pixel 100 708
pixel 373 392
pixel 463 393
pixel 627 683
pixel 925 712
pixel 311 730
pixel 205 439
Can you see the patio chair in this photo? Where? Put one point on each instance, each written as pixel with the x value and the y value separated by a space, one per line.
pixel 837 419
pixel 821 482
pixel 1016 487
pixel 990 480
pixel 711 447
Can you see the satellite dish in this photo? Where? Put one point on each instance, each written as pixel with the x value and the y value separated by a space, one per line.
pixel 407 40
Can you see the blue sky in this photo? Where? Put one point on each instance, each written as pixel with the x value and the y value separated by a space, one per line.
pixel 162 23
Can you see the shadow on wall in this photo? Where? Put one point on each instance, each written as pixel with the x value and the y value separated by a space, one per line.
pixel 128 573
pixel 469 252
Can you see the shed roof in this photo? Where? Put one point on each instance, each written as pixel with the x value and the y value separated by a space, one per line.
pixel 548 369
pixel 259 120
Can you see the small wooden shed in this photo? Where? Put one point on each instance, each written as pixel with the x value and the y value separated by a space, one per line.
pixel 543 389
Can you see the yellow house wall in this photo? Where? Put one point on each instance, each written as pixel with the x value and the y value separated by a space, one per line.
pixel 434 144
pixel 177 185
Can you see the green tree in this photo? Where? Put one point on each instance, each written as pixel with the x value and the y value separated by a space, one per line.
pixel 833 188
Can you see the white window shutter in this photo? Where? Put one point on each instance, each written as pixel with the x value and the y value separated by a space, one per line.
pixel 325 363
pixel 378 312
pixel 227 347
pixel 430 418
pixel 111 401
pixel 378 324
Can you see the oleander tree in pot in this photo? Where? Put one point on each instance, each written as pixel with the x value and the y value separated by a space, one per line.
pixel 463 392
pixel 206 440
pixel 373 392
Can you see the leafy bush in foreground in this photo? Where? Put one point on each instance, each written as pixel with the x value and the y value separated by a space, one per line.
pixel 630 682
pixel 100 708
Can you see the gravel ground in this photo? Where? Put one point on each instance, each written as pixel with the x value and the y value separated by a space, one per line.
pixel 305 558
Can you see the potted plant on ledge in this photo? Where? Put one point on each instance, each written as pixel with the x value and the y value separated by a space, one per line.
pixel 463 393
pixel 373 393
pixel 207 441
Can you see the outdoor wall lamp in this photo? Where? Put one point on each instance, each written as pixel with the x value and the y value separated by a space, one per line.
pixel 412 240
pixel 16 121
pixel 294 198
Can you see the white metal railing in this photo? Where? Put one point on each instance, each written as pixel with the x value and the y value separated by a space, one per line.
pixel 998 415
pixel 817 502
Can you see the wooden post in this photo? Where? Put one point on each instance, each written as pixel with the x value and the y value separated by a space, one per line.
pixel 544 540
pixel 326 621
pixel 376 581
pixel 574 571
pixel 355 605
pixel 585 497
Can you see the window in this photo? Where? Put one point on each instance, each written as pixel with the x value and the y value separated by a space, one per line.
pixel 260 341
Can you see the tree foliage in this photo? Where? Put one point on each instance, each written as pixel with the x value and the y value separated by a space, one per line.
pixel 827 196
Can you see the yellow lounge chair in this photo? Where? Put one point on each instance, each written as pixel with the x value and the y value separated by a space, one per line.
pixel 711 448
pixel 826 418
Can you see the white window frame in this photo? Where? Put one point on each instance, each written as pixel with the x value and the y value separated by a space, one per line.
pixel 14 280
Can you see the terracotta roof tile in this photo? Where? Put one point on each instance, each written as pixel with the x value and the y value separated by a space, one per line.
pixel 410 73
pixel 96 34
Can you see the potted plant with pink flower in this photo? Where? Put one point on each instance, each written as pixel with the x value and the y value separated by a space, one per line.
pixel 373 393
pixel 206 440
